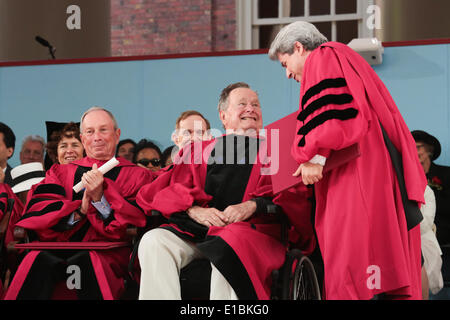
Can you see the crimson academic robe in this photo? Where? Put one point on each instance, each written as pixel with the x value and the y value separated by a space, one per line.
pixel 369 246
pixel 5 194
pixel 245 252
pixel 46 216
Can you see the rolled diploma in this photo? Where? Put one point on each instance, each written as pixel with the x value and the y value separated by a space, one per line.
pixel 103 169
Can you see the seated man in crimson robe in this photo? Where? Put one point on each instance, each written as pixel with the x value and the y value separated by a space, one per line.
pixel 220 206
pixel 100 212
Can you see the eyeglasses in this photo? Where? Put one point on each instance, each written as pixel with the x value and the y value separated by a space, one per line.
pixel 155 162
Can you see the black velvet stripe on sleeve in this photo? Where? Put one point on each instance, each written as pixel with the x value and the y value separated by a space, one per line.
pixel 3 195
pixel 33 201
pixel 322 85
pixel 345 114
pixel 188 228
pixel 338 99
pixel 2 207
pixel 108 220
pixel 134 204
pixel 50 188
pixel 55 206
pixel 265 205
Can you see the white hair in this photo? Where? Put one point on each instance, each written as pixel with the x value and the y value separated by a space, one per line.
pixel 34 137
pixel 301 31
pixel 96 108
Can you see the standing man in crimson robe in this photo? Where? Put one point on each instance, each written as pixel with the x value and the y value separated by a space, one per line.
pixel 100 212
pixel 220 206
pixel 367 217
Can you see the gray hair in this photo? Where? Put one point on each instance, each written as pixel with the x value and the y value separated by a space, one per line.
pixel 301 31
pixel 96 108
pixel 34 137
pixel 223 100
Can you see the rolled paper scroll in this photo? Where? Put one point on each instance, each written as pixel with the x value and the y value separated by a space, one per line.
pixel 103 169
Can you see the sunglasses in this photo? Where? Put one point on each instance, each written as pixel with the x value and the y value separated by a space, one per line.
pixel 155 162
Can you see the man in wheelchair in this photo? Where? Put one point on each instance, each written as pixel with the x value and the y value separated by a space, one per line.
pixel 219 205
pixel 100 213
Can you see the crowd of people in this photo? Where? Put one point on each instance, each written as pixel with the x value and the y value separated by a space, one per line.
pixel 380 220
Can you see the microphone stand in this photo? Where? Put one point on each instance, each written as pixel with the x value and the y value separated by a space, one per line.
pixel 52 52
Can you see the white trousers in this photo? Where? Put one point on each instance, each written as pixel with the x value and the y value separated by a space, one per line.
pixel 162 254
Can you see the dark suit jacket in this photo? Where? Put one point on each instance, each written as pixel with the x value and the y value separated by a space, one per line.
pixel 8 178
pixel 439 180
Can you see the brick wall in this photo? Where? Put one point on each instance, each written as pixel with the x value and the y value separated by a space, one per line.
pixel 144 27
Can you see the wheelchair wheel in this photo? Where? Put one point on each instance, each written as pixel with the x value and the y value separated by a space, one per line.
pixel 299 280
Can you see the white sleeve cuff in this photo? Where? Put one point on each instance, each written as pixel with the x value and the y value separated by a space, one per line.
pixel 318 159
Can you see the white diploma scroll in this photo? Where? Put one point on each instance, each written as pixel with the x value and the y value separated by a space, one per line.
pixel 103 169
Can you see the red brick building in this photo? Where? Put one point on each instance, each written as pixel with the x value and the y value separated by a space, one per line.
pixel 145 27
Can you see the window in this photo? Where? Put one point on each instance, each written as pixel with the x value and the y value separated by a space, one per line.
pixel 339 20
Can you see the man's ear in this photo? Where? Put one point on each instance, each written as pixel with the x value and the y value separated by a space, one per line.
pixel 222 116
pixel 299 47
pixel 174 137
pixel 9 152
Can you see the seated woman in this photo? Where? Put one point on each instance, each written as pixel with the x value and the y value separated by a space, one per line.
pixel 67 146
pixel 147 155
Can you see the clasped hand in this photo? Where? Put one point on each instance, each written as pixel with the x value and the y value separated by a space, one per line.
pixel 214 217
pixel 93 184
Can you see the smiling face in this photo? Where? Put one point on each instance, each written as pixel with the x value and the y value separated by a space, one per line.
pixel 99 137
pixel 243 111
pixel 295 62
pixel 69 149
pixel 148 158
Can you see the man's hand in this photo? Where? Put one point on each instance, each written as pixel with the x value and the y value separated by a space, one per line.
pixel 207 216
pixel 85 202
pixel 311 172
pixel 93 182
pixel 240 212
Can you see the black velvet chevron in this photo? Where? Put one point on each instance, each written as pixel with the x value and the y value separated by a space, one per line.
pixel 338 99
pixel 55 206
pixel 322 85
pixel 50 188
pixel 345 114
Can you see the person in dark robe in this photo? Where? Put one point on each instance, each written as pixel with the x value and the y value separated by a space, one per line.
pixel 367 210
pixel 102 211
pixel 220 206
pixel 7 145
pixel 438 177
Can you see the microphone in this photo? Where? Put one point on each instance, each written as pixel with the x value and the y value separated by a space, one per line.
pixel 43 41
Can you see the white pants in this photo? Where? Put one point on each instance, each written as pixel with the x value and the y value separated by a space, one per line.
pixel 162 254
